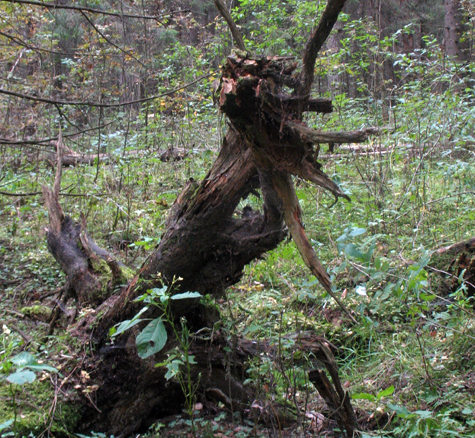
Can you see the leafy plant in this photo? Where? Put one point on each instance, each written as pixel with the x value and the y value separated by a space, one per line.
pixel 17 371
pixel 153 338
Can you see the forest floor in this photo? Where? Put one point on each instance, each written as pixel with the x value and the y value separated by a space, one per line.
pixel 408 363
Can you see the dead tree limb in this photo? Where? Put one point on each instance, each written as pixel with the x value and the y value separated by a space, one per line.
pixel 56 215
pixel 99 104
pixel 232 25
pixel 52 5
pixel 456 263
pixel 293 219
pixel 337 399
pixel 71 158
pixel 315 43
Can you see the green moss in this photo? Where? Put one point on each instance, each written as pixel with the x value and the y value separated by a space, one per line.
pixel 34 405
pixel 106 279
pixel 127 272
pixel 100 267
pixel 37 311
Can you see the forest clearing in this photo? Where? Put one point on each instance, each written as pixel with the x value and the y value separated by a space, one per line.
pixel 246 218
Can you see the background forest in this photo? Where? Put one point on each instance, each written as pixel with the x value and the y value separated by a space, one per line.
pixel 129 88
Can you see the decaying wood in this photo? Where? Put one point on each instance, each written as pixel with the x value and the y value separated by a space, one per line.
pixel 456 263
pixel 281 146
pixel 337 399
pixel 313 136
pixel 207 243
pixel 292 104
pixel 457 248
pixel 56 215
pixel 293 219
pixel 73 249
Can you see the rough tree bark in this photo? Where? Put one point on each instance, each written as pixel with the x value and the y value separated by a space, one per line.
pixel 207 243
pixel 453 31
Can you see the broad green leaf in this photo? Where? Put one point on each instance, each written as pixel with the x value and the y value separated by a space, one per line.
pixel 385 392
pixel 423 414
pixel 23 359
pixel 22 377
pixel 152 338
pixel 185 295
pixel 173 369
pixel 401 411
pixel 128 323
pixel 42 367
pixel 352 251
pixel 6 424
pixel 426 297
pixel 357 232
pixel 363 396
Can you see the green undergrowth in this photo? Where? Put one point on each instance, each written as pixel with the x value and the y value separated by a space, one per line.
pixel 36 411
pixel 33 399
pixel 409 360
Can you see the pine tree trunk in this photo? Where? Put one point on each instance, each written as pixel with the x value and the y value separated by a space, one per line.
pixel 453 31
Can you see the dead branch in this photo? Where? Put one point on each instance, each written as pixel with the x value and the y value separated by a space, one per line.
pixel 92 10
pixel 456 248
pixel 232 25
pixel 313 136
pixel 334 395
pixel 120 49
pixel 72 195
pixel 73 159
pixel 293 103
pixel 56 215
pixel 293 219
pixel 98 104
pixel 315 43
pixel 356 154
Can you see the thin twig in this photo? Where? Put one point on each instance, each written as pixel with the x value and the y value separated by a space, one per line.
pixel 93 10
pixel 101 105
pixel 28 339
pixel 71 195
pixel 47 140
pixel 424 361
pixel 112 43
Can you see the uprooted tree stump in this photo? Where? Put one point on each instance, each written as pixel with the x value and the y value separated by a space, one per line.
pixel 456 264
pixel 207 244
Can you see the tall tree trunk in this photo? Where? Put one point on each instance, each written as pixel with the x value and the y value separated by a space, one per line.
pixel 453 31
